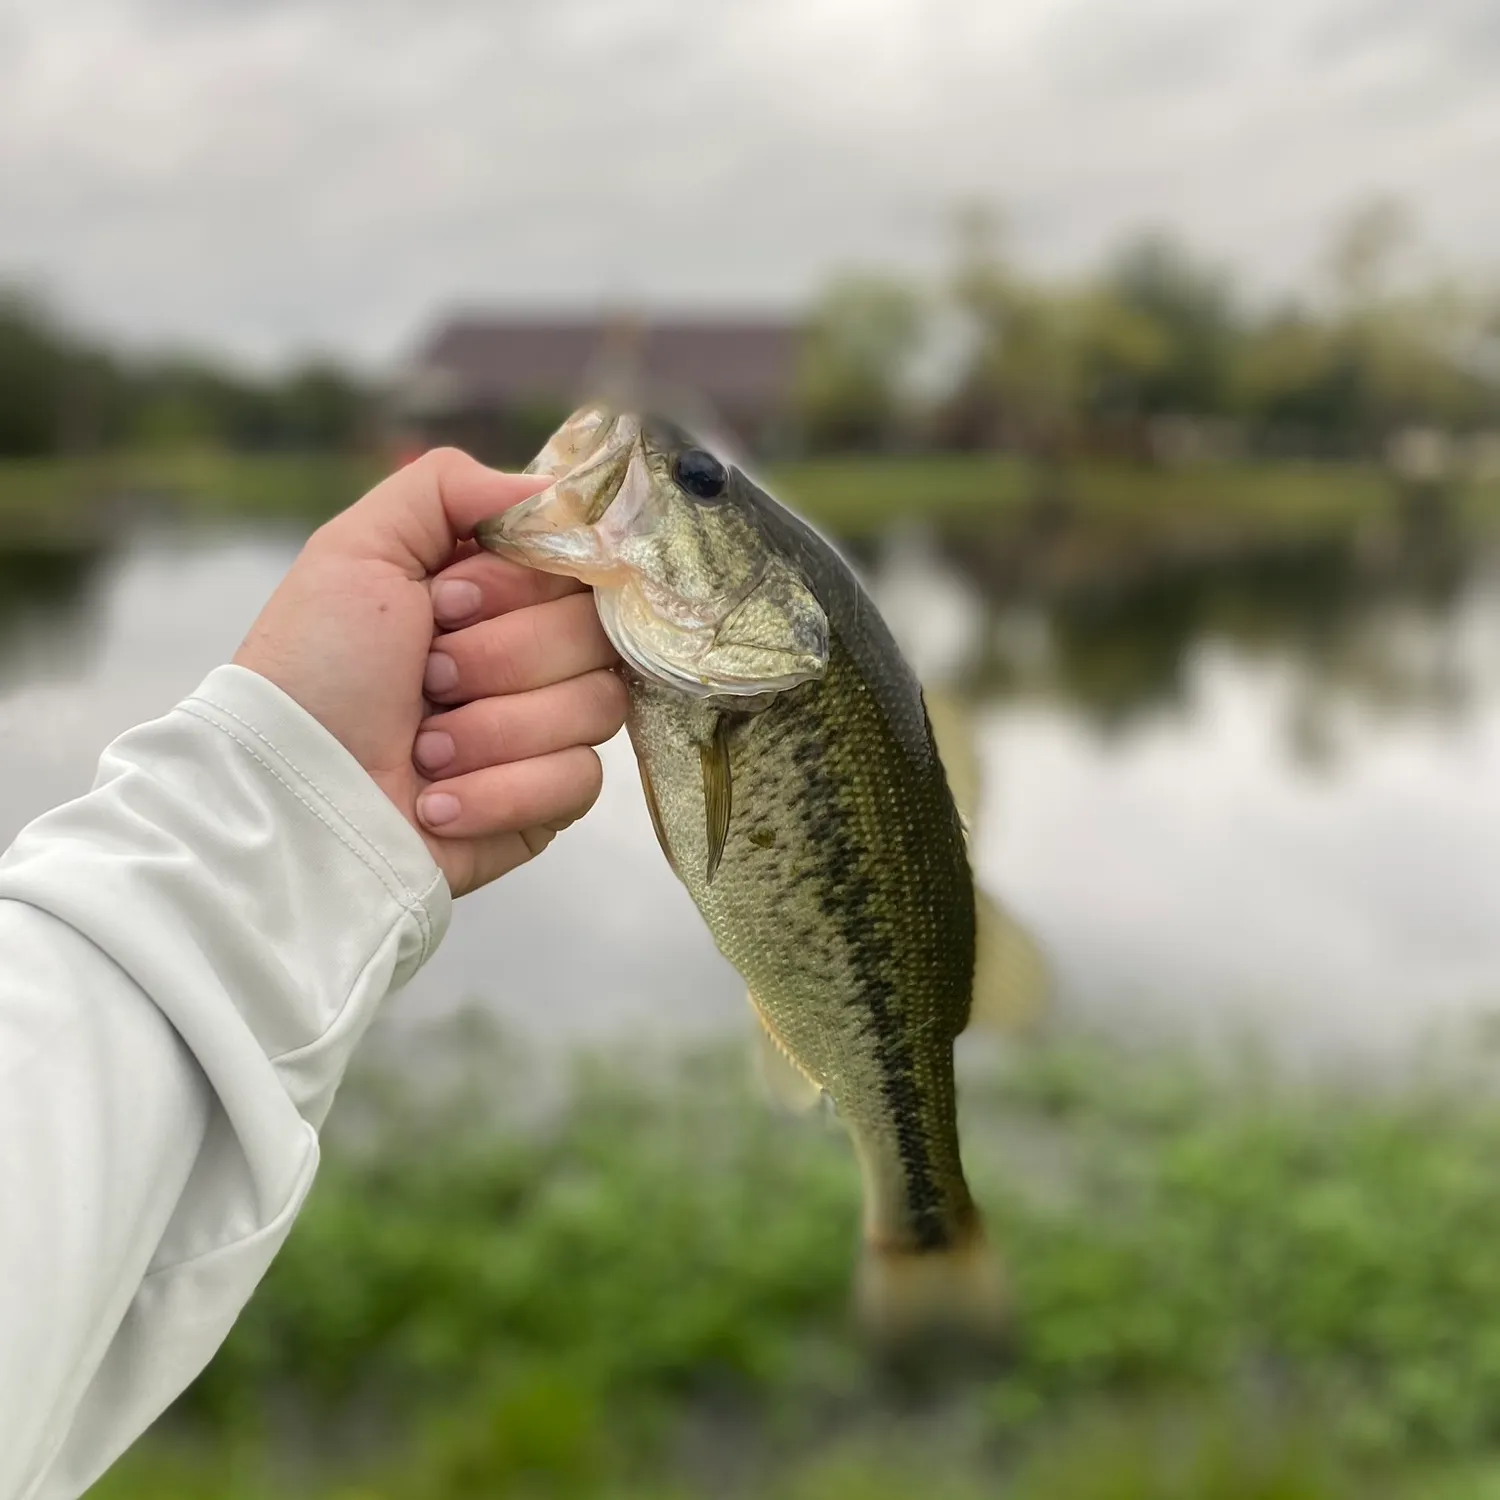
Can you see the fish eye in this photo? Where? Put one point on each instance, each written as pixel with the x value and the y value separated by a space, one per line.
pixel 700 474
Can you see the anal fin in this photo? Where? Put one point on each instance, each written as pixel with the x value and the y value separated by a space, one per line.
pixel 785 1085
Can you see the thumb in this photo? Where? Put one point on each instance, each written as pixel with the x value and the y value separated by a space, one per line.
pixel 415 518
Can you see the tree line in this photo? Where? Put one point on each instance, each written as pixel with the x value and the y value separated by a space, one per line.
pixel 1155 353
pixel 1156 348
pixel 65 393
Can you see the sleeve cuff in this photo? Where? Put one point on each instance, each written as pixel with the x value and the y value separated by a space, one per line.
pixel 315 769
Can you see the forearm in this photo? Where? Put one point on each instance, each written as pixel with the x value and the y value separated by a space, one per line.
pixel 191 953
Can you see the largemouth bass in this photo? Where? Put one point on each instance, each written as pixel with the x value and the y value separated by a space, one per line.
pixel 795 785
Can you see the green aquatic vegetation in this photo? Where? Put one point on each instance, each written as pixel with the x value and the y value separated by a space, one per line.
pixel 644 1291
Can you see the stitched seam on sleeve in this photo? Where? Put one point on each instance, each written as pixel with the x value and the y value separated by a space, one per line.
pixel 429 890
pixel 406 897
pixel 298 771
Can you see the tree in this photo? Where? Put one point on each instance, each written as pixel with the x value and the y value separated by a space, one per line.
pixel 1044 363
pixel 321 405
pixel 34 359
pixel 1295 381
pixel 1402 342
pixel 1188 305
pixel 856 368
pixel 1017 383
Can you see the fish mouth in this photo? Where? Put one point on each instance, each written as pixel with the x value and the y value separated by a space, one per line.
pixel 555 530
pixel 575 442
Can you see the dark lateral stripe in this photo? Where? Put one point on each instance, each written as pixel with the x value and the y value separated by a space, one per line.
pixel 847 897
pixel 924 1198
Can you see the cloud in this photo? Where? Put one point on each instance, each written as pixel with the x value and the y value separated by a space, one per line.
pixel 293 173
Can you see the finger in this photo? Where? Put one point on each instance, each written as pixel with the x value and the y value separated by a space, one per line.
pixel 525 649
pixel 481 586
pixel 548 791
pixel 585 710
pixel 472 863
pixel 418 516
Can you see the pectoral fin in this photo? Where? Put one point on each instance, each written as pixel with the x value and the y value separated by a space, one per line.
pixel 786 1086
pixel 717 794
pixel 1011 981
pixel 654 808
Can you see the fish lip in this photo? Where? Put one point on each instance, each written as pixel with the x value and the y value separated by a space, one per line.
pixel 504 533
pixel 536 532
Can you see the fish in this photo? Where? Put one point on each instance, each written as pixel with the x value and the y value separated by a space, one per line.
pixel 795 784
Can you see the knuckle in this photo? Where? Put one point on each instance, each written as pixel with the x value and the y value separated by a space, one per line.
pixel 439 460
pixel 318 537
pixel 530 645
pixel 499 651
pixel 328 539
pixel 498 738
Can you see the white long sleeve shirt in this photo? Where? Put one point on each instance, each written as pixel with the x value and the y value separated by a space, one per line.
pixel 188 956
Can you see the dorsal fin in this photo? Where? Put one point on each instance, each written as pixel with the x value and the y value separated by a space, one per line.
pixel 952 731
pixel 1011 979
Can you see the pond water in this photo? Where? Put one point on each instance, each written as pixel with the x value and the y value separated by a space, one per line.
pixel 1280 821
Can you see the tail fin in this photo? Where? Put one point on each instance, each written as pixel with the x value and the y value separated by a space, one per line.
pixel 952 1299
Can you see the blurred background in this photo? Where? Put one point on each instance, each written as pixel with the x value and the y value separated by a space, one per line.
pixel 1147 362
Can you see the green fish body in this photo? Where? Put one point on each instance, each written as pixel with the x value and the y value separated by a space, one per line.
pixel 842 895
pixel 812 822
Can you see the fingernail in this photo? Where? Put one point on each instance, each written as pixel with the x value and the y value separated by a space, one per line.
pixel 441 674
pixel 437 808
pixel 454 599
pixel 433 749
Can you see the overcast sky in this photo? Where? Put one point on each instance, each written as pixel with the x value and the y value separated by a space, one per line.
pixel 274 176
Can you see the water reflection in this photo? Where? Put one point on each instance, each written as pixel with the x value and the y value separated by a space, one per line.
pixel 1268 796
pixel 1121 646
pixel 44 591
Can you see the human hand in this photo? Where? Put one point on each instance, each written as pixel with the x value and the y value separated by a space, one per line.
pixel 519 658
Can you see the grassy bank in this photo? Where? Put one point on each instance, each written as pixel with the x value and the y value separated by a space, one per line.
pixel 859 494
pixel 1242 1292
pixel 58 502
pixel 855 496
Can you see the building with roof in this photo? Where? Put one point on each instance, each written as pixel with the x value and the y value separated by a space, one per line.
pixel 498 385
